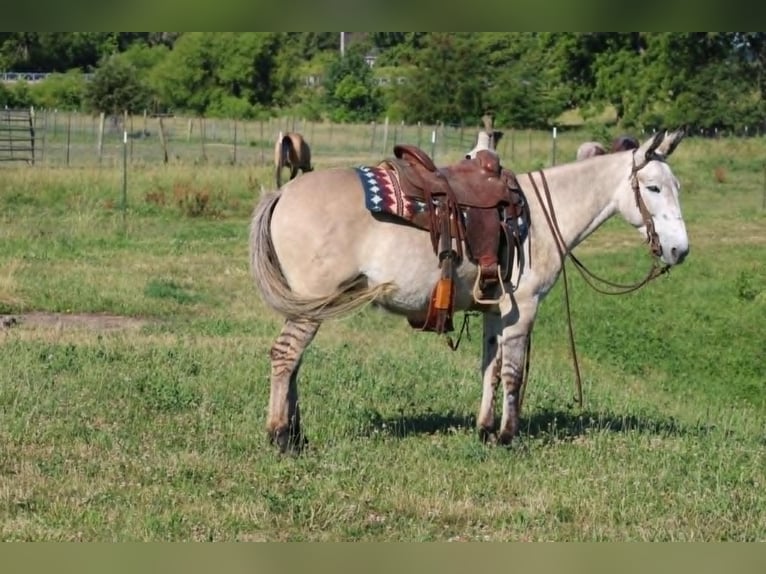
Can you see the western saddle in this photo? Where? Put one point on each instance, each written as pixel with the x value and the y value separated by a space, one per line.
pixel 476 205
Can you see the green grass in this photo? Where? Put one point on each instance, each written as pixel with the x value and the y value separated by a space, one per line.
pixel 156 432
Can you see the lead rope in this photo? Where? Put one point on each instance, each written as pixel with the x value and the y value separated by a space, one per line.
pixel 654 271
pixel 550 217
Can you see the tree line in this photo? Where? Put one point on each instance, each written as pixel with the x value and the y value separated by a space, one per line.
pixel 704 80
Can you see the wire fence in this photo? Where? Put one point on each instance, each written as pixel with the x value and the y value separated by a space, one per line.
pixel 72 139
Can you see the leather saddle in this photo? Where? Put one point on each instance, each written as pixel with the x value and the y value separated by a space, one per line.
pixel 472 208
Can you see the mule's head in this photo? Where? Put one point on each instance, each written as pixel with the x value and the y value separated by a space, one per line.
pixel 653 205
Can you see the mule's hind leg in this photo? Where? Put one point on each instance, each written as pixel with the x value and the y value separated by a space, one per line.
pixel 284 422
pixel 490 369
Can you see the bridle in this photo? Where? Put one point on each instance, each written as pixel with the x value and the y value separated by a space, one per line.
pixel 651 235
pixel 655 247
pixel 652 240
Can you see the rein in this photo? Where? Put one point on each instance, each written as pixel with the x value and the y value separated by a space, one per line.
pixel 651 238
pixel 655 270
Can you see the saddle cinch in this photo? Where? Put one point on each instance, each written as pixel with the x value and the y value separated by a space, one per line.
pixel 477 204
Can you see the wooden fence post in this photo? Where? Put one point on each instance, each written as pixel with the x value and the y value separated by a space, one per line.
pixel 234 159
pixel 68 135
pixel 163 141
pixel 385 136
pixel 262 143
pixel 100 145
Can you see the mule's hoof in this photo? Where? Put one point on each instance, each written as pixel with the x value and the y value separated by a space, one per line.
pixel 506 438
pixel 487 435
pixel 289 442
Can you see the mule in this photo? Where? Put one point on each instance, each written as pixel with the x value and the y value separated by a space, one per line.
pixel 317 252
pixel 292 151
pixel 590 149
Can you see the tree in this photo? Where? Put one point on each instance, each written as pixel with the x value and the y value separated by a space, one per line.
pixel 451 82
pixel 220 73
pixel 350 91
pixel 116 87
pixel 526 88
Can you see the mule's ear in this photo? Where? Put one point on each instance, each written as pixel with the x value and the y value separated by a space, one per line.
pixel 671 141
pixel 645 153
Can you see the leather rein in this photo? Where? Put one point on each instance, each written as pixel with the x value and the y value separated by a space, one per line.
pixel 617 288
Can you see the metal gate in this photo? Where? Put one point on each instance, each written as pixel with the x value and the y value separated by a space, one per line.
pixel 17 135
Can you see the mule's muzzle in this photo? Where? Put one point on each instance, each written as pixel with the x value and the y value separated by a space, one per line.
pixel 675 255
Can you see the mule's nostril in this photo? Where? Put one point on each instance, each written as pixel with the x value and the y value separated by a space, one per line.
pixel 679 255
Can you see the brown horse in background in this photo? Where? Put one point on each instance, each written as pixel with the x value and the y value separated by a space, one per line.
pixel 292 151
pixel 624 143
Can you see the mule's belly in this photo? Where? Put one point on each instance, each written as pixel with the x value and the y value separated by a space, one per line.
pixel 324 236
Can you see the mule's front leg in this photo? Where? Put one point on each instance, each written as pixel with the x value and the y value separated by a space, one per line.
pixel 490 371
pixel 284 425
pixel 512 376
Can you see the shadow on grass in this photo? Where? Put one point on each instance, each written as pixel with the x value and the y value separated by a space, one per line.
pixel 551 424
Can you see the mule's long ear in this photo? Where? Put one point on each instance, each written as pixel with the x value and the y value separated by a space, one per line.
pixel 645 153
pixel 671 141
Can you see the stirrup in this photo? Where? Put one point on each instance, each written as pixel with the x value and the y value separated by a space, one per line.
pixel 477 291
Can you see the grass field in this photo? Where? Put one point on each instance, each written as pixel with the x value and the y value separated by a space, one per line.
pixel 133 390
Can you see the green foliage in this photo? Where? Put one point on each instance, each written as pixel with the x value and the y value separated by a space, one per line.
pixel 350 91
pixel 62 91
pixel 450 84
pixel 705 80
pixel 116 87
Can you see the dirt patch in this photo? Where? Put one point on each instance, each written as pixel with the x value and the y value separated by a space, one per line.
pixel 90 321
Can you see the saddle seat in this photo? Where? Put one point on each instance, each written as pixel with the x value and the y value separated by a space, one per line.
pixel 473 182
pixel 474 204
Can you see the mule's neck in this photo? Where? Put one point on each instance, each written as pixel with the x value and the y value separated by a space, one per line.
pixel 584 195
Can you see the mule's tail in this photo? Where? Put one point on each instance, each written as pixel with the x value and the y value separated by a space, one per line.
pixel 271 282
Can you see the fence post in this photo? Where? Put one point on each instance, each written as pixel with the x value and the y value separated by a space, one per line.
pixel 163 141
pixel 763 204
pixel 433 144
pixel 32 132
pixel 385 135
pixel 124 169
pixel 262 142
pixel 45 132
pixel 553 151
pixel 68 135
pixel 529 137
pixel 100 145
pixel 133 134
pixel 420 134
pixel 234 159
pixel 203 135
pixel 372 139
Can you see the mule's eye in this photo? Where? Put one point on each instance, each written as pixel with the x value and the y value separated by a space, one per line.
pixel 653 188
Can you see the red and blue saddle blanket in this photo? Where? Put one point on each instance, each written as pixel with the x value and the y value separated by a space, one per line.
pixel 383 193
